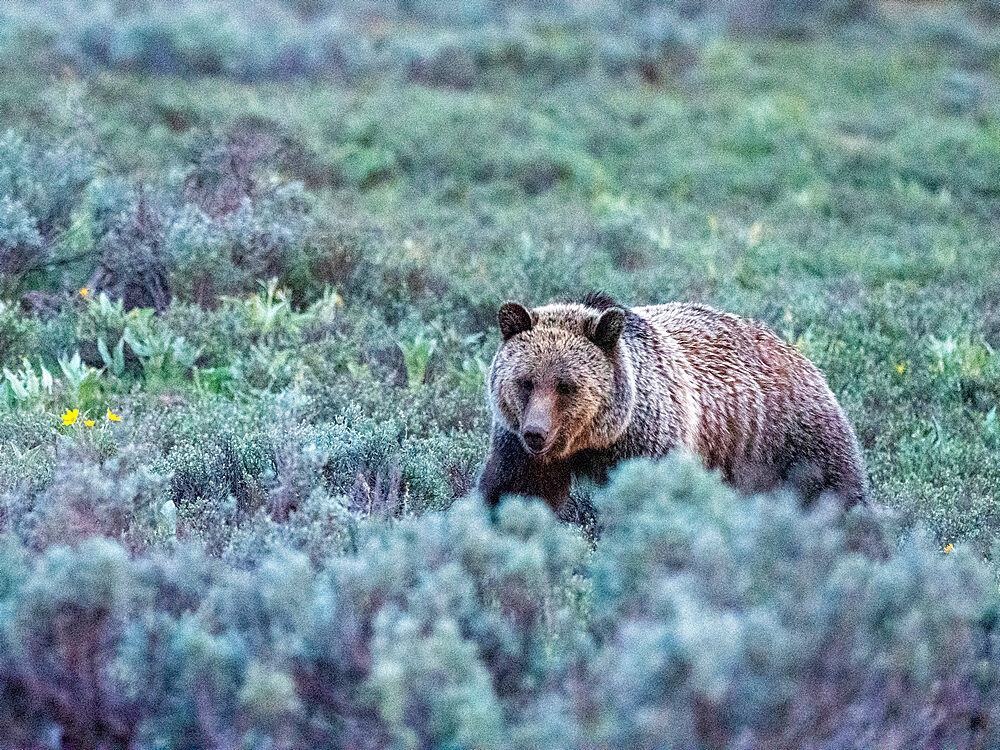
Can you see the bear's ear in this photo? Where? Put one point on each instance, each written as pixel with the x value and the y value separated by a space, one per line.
pixel 514 319
pixel 608 329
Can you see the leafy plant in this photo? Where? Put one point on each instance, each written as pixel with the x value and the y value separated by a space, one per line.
pixel 28 388
pixel 165 357
pixel 114 361
pixel 960 356
pixel 417 353
pixel 268 311
pixel 82 380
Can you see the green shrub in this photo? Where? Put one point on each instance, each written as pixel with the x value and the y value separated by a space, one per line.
pixel 453 44
pixel 699 618
pixel 48 183
pixel 732 656
pixel 20 242
pixel 16 335
pixel 40 188
pixel 117 498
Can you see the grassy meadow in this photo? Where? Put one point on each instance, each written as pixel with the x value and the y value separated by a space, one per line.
pixel 250 263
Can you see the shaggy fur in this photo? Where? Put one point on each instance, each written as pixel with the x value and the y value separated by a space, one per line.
pixel 604 384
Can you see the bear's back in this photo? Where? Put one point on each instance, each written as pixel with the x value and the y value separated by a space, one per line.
pixel 763 406
pixel 724 346
pixel 690 322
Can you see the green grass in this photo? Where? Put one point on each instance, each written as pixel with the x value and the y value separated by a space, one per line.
pixel 820 186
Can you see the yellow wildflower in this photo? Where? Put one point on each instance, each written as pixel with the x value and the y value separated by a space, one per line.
pixel 900 367
pixel 70 416
pixel 89 422
pixel 949 548
pixel 84 292
pixel 113 417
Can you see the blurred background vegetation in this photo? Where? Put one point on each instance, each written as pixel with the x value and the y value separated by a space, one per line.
pixel 271 239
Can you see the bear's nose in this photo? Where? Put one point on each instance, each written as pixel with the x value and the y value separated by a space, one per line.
pixel 535 440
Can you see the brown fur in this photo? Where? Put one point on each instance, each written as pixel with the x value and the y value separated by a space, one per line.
pixel 642 382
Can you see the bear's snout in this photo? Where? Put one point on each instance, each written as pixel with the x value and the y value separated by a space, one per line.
pixel 535 440
pixel 536 427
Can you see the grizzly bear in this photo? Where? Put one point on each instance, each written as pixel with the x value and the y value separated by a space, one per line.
pixel 576 388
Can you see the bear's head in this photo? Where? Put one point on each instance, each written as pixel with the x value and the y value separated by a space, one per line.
pixel 561 380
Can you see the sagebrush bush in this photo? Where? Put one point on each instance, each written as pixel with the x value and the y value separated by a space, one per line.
pixel 200 470
pixel 835 652
pixel 119 498
pixel 699 619
pixel 47 182
pixel 40 188
pixel 469 43
pixel 230 223
pixel 20 241
pixel 133 265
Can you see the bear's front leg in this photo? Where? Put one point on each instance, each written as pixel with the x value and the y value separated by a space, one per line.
pixel 511 470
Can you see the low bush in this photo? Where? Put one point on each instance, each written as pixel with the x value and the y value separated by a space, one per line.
pixel 698 619
pixel 452 45
pixel 40 190
pixel 227 226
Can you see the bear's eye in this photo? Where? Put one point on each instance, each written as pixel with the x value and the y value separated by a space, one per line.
pixel 566 389
pixel 525 384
